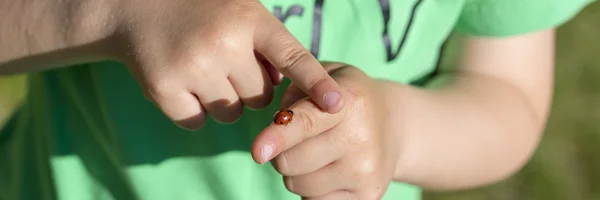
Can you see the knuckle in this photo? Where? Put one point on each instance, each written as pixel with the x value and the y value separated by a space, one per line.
pixel 309 123
pixel 227 40
pixel 293 55
pixel 207 72
pixel 189 60
pixel 159 89
pixel 359 139
pixel 367 168
pixel 218 39
pixel 196 64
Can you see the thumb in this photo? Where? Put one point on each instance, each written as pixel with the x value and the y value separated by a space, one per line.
pixel 279 47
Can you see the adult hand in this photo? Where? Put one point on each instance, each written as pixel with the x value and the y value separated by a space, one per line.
pixel 200 57
pixel 346 155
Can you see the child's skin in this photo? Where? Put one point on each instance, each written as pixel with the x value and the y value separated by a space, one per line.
pixel 474 124
pixel 196 51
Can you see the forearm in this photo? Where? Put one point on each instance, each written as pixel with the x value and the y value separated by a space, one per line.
pixel 38 34
pixel 472 131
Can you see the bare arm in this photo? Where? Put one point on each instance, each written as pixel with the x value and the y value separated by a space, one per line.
pixel 168 47
pixel 480 122
pixel 40 34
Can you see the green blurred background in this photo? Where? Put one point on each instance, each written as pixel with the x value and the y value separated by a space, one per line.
pixel 565 166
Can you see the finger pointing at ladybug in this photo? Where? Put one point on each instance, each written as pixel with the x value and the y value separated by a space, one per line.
pixel 290 58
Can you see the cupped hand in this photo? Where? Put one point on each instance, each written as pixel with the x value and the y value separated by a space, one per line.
pixel 345 155
pixel 194 58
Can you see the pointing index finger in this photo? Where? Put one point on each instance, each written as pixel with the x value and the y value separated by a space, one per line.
pixel 286 54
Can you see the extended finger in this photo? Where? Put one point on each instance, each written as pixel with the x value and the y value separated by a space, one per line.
pixel 308 121
pixel 310 155
pixel 217 96
pixel 288 55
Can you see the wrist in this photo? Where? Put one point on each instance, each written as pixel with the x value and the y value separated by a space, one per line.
pixel 411 109
pixel 398 99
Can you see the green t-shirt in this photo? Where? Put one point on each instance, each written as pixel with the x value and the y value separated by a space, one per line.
pixel 87 133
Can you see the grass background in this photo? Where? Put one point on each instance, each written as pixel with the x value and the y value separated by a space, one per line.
pixel 566 165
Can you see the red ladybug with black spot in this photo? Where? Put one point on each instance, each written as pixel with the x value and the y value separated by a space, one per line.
pixel 283 117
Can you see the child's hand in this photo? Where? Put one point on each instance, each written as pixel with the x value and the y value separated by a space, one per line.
pixel 214 56
pixel 347 155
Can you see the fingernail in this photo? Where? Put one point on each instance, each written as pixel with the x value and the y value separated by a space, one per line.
pixel 265 152
pixel 331 99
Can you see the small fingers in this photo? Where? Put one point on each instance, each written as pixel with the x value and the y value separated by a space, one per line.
pixel 182 107
pixel 217 96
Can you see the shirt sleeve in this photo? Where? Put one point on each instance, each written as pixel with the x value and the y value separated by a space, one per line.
pixel 513 17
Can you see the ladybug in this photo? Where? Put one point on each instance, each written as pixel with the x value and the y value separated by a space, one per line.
pixel 283 117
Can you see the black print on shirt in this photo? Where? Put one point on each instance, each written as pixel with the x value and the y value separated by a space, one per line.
pixel 294 10
pixel 298 10
pixel 385 9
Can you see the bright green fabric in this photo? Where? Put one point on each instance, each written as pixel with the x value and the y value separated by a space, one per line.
pixel 510 17
pixel 87 133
